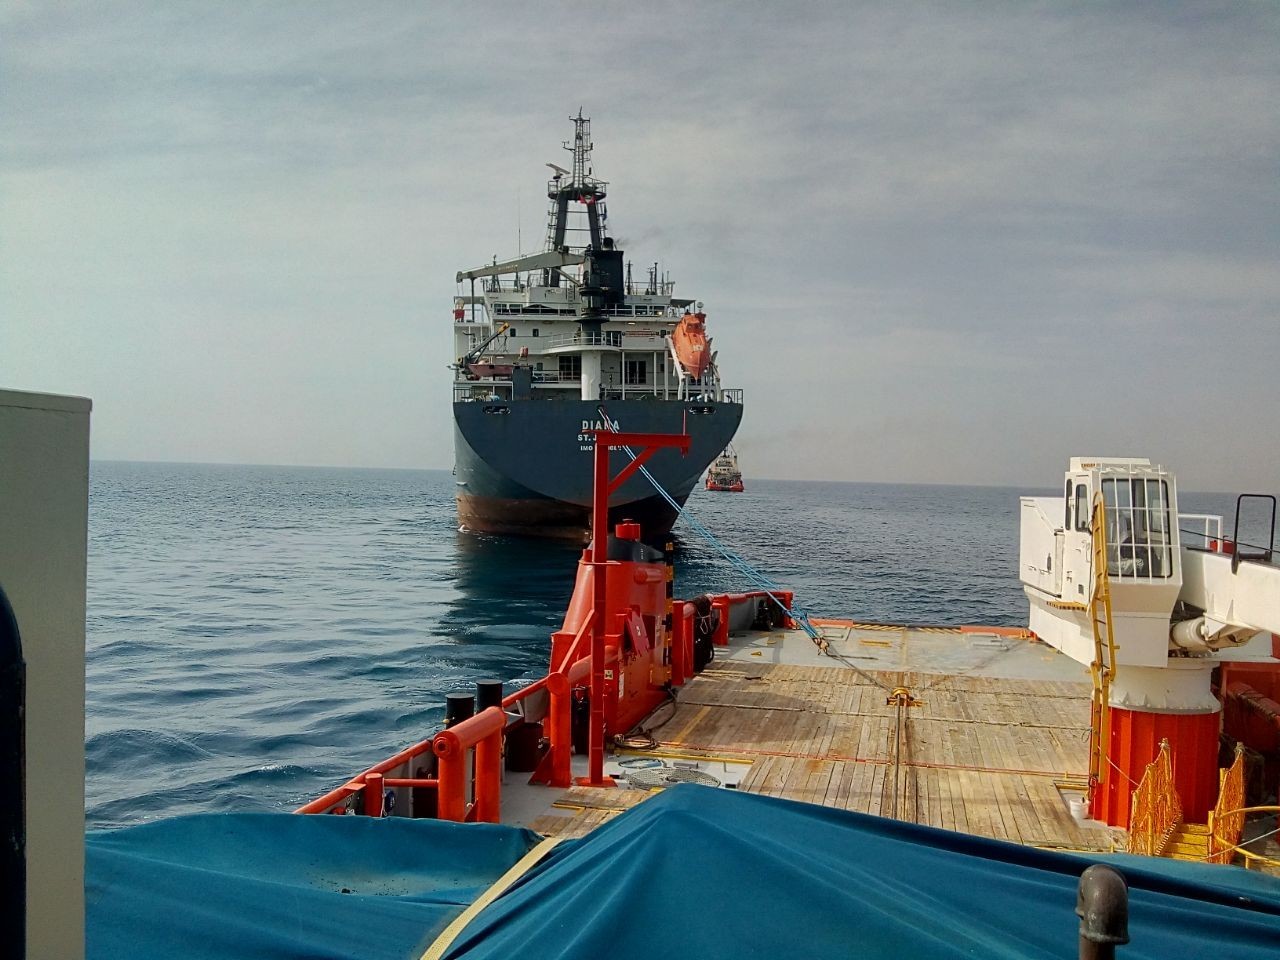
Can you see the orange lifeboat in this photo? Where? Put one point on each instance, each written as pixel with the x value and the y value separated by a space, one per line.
pixel 693 347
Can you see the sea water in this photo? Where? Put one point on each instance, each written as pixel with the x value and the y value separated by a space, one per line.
pixel 256 635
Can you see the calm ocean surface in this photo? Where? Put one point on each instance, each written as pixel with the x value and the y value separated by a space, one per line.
pixel 258 634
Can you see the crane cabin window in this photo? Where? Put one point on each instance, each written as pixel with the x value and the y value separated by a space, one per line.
pixel 1082 508
pixel 1139 540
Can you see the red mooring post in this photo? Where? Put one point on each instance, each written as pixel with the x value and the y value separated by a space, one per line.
pixel 606 440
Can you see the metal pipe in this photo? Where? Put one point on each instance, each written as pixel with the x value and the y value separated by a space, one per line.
pixel 1102 904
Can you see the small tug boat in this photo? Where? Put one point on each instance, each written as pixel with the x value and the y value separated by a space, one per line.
pixel 724 474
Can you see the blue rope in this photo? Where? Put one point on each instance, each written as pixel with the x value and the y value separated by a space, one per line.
pixel 762 582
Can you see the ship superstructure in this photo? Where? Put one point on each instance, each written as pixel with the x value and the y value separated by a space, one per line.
pixel 552 345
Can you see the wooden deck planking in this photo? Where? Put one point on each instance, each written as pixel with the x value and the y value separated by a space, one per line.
pixel 984 753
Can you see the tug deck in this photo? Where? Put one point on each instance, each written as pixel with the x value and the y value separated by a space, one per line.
pixel 994 742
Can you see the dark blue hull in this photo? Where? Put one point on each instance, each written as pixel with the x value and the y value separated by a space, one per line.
pixel 525 467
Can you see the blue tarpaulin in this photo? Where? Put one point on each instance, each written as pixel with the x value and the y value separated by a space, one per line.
pixel 694 872
pixel 222 886
pixel 702 873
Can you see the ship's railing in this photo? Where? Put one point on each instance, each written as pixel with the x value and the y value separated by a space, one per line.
pixel 498 389
pixel 1226 819
pixel 487 392
pixel 371 784
pixel 1203 529
pixel 606 338
pixel 1157 811
pixel 459 770
pixel 467 786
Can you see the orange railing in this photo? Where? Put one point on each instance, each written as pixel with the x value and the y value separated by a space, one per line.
pixel 335 801
pixel 483 734
pixel 472 790
pixel 1226 820
pixel 1157 811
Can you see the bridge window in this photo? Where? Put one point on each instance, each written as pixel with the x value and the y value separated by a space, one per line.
pixel 571 367
pixel 1066 523
pixel 637 371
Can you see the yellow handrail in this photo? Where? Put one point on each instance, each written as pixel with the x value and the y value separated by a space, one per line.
pixel 1226 820
pixel 1103 667
pixel 1157 811
pixel 1249 854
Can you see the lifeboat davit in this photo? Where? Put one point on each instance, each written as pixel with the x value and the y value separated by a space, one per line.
pixel 693 347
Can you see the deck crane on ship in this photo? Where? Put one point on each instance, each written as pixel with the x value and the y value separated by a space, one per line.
pixel 1153 602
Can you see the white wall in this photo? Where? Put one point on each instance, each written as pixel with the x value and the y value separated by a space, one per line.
pixel 44 509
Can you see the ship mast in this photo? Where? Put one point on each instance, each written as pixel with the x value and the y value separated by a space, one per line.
pixel 575 186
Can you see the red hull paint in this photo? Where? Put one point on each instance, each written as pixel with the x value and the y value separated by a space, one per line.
pixel 1135 741
pixel 726 487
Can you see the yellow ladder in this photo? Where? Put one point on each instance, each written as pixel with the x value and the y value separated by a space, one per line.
pixel 1103 667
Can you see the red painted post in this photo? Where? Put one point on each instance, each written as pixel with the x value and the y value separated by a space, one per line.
pixel 679 663
pixel 599 557
pixel 788 600
pixel 687 614
pixel 373 794
pixel 721 638
pixel 561 732
pixel 452 792
pixel 489 778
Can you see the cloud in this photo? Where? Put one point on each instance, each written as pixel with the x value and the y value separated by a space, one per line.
pixel 935 241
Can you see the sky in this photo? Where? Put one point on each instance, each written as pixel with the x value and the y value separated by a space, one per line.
pixel 937 242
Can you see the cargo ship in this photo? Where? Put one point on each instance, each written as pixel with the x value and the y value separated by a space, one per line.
pixel 725 476
pixel 554 345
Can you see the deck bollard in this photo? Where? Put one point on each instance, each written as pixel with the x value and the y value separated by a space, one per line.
pixel 458 707
pixel 488 694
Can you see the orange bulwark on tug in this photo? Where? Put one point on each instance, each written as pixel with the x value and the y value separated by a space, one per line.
pixel 999 732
